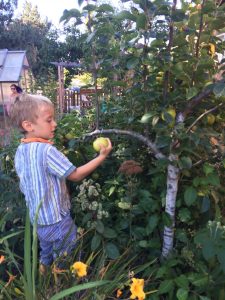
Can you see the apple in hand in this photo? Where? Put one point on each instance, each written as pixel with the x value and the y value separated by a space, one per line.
pixel 100 141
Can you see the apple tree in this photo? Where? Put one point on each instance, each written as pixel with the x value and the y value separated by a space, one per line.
pixel 164 88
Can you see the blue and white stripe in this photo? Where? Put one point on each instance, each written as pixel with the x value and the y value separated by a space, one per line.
pixel 42 170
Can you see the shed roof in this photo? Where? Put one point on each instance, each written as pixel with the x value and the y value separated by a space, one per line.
pixel 11 65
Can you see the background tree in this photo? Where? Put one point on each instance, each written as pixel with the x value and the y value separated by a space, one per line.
pixel 7 8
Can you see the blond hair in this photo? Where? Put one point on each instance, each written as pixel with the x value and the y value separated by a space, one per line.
pixel 26 108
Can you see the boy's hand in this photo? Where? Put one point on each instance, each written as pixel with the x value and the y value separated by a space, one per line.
pixel 105 150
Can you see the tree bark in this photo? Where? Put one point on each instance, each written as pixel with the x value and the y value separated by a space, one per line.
pixel 171 194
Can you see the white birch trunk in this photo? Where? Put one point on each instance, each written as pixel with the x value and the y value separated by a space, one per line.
pixel 171 194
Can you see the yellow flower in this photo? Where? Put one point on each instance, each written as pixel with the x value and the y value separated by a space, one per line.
pixel 118 293
pixel 136 289
pixel 79 268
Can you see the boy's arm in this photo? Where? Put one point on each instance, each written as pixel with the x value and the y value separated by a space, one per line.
pixel 83 171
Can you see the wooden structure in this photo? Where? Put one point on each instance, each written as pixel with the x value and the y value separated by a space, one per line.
pixel 61 91
pixel 78 100
pixel 14 69
pixel 68 99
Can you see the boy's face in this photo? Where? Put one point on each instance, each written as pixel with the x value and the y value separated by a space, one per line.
pixel 45 125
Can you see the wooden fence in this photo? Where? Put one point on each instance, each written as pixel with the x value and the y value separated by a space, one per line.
pixel 78 100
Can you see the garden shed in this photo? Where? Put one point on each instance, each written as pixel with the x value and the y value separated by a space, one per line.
pixel 14 68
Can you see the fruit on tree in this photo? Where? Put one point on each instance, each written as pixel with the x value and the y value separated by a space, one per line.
pixel 69 136
pixel 171 113
pixel 100 141
pixel 211 119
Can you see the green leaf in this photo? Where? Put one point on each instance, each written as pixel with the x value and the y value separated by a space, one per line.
pixel 204 298
pixel 126 15
pixel 132 63
pixel 181 235
pixel 100 227
pixel 68 14
pixel 90 7
pixel 28 258
pixel 205 204
pixel 178 15
pixel 146 117
pixel 208 7
pixel 161 272
pixel 191 92
pixel 78 288
pixel 184 215
pixel 124 205
pixel 182 294
pixel 111 190
pixel 86 218
pixel 117 83
pixel 141 21
pixel 185 162
pixel 112 251
pixel 201 281
pixel 152 223
pixel 109 233
pixel 105 8
pixel 208 249
pixel 221 258
pixel 182 282
pixel 219 89
pixel 198 280
pixel 213 179
pixel 166 286
pixel 143 244
pixel 163 141
pixel 95 242
pixel 208 169
pixel 10 236
pixel 190 196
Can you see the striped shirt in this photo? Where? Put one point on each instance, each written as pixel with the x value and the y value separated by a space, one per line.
pixel 42 171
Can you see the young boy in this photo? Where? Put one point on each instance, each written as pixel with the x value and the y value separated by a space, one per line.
pixel 43 171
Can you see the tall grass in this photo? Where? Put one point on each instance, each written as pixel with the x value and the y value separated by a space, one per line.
pixel 28 283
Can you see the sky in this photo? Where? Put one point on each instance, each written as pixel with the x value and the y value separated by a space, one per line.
pixel 52 9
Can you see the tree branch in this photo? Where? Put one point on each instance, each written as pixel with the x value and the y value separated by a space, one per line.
pixel 196 100
pixel 202 115
pixel 133 134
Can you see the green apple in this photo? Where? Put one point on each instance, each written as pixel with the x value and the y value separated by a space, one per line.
pixel 211 119
pixel 69 136
pixel 169 116
pixel 100 141
pixel 171 112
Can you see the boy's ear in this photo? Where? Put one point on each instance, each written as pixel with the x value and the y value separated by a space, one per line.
pixel 27 126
